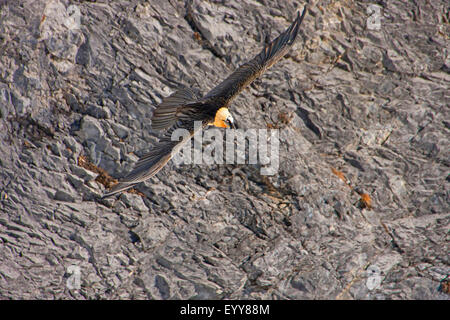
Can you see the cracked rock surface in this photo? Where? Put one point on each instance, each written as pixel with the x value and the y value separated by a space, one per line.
pixel 361 100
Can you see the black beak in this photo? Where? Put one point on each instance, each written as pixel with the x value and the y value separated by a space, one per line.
pixel 231 124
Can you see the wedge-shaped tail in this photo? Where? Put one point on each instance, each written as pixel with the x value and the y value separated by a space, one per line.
pixel 181 109
pixel 165 114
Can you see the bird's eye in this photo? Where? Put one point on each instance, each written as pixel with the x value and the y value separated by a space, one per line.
pixel 230 123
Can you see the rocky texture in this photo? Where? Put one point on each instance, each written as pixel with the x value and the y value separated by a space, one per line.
pixel 82 78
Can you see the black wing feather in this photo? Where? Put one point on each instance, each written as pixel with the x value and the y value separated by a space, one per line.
pixel 165 114
pixel 182 108
pixel 249 71
pixel 151 163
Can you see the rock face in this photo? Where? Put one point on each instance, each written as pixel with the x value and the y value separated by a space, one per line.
pixel 362 100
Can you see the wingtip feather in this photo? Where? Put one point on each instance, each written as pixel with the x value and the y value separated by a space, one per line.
pixel 120 187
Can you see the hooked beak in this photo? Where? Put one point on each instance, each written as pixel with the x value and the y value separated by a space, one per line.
pixel 231 124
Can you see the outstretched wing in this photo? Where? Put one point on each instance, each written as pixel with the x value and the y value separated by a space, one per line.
pixel 148 165
pixel 181 109
pixel 249 71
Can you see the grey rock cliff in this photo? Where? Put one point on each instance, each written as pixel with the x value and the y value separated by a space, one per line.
pixel 363 97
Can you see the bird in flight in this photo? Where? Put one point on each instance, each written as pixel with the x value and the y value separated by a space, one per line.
pixel 181 109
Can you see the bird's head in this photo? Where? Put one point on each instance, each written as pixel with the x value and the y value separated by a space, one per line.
pixel 224 119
